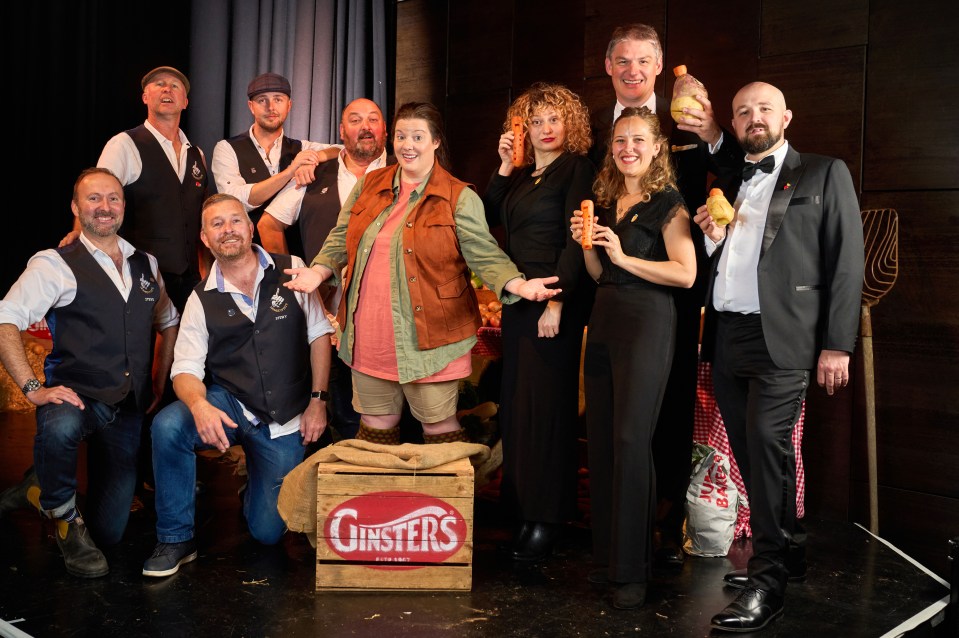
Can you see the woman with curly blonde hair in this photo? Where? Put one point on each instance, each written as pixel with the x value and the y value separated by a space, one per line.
pixel 542 341
pixel 641 249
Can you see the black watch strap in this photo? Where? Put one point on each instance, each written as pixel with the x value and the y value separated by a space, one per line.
pixel 322 395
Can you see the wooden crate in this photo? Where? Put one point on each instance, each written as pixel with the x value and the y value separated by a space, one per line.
pixel 386 529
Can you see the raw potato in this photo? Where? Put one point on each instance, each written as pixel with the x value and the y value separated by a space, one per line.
pixel 676 108
pixel 719 207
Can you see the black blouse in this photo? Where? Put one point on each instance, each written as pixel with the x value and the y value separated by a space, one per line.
pixel 640 234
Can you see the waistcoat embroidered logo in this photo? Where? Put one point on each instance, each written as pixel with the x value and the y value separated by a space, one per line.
pixel 146 285
pixel 231 312
pixel 196 172
pixel 277 302
pixel 325 188
pixel 395 527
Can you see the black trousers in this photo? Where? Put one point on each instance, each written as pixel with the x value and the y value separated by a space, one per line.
pixel 760 404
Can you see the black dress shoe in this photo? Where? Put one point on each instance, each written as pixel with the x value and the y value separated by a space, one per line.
pixel 739 578
pixel 539 542
pixel 518 540
pixel 669 556
pixel 752 610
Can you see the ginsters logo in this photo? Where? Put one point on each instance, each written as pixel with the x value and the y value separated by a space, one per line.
pixel 395 527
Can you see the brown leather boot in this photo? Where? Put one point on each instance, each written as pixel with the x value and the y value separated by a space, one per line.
pixel 456 436
pixel 374 435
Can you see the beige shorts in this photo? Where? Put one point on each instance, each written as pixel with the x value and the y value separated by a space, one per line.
pixel 429 402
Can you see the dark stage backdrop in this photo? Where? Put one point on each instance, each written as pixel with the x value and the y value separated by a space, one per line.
pixel 73 74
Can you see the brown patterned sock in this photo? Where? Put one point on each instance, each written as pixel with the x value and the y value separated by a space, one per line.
pixel 447 437
pixel 383 437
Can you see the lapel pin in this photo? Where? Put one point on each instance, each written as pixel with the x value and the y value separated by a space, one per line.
pixel 787 186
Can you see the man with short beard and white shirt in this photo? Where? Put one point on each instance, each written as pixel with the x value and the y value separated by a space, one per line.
pixel 314 211
pixel 254 165
pixel 265 351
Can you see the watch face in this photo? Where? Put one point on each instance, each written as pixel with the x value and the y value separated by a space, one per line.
pixel 31 386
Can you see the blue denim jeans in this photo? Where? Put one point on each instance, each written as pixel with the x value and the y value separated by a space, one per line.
pixel 175 441
pixel 113 438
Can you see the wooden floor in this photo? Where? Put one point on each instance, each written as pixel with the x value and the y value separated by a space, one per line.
pixel 857 585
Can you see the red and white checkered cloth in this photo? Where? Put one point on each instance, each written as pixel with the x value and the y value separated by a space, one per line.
pixel 709 429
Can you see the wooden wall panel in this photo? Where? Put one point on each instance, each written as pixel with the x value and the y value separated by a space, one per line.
pixel 546 49
pixel 473 126
pixel 912 122
pixel 719 44
pixel 421 45
pixel 602 16
pixel 824 90
pixel 813 25
pixel 480 45
pixel 918 524
pixel 827 444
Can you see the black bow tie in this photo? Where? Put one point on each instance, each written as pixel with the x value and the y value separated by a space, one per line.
pixel 766 165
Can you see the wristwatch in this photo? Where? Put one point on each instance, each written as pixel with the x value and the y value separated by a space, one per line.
pixel 322 395
pixel 32 385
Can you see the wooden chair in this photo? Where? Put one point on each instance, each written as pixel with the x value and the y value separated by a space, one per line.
pixel 881 233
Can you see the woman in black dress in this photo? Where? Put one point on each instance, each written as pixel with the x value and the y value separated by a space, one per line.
pixel 642 247
pixel 542 341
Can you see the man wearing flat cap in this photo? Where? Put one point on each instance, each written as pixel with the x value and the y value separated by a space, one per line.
pixel 254 165
pixel 165 181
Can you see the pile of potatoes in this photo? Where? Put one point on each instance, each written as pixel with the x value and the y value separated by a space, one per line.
pixel 492 314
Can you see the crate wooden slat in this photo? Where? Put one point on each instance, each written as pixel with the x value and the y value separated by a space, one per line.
pixel 424 564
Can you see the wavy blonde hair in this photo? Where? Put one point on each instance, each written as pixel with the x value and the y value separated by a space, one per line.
pixel 610 184
pixel 567 104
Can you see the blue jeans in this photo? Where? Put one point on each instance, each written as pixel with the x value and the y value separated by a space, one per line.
pixel 175 441
pixel 113 438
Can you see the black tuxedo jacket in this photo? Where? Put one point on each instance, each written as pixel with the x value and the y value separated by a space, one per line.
pixel 810 265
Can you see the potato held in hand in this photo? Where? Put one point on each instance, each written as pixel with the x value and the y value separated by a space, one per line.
pixel 684 91
pixel 719 207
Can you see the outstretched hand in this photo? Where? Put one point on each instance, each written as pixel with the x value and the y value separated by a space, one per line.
pixel 534 289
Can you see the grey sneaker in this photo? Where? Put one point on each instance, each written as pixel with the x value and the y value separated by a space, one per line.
pixel 167 558
pixel 22 495
pixel 80 555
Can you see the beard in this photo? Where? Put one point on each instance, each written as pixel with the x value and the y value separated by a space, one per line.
pixel 753 145
pixel 99 230
pixel 230 252
pixel 365 148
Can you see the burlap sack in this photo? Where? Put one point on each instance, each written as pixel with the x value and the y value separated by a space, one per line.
pixel 297 501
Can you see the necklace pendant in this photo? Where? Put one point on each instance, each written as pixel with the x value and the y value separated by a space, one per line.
pixel 538 179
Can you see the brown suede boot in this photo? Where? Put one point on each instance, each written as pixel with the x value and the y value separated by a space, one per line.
pixel 456 436
pixel 383 437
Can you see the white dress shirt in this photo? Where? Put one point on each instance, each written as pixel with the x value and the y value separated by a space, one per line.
pixel 121 156
pixel 192 344
pixel 48 282
pixel 226 166
pixel 736 288
pixel 285 207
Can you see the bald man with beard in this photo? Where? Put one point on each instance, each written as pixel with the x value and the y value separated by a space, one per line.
pixel 782 301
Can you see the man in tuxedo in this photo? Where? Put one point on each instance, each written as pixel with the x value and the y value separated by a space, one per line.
pixel 634 58
pixel 783 299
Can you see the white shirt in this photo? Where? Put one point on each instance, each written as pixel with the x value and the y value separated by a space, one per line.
pixel 226 166
pixel 48 282
pixel 121 156
pixel 650 104
pixel 736 288
pixel 285 207
pixel 189 356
